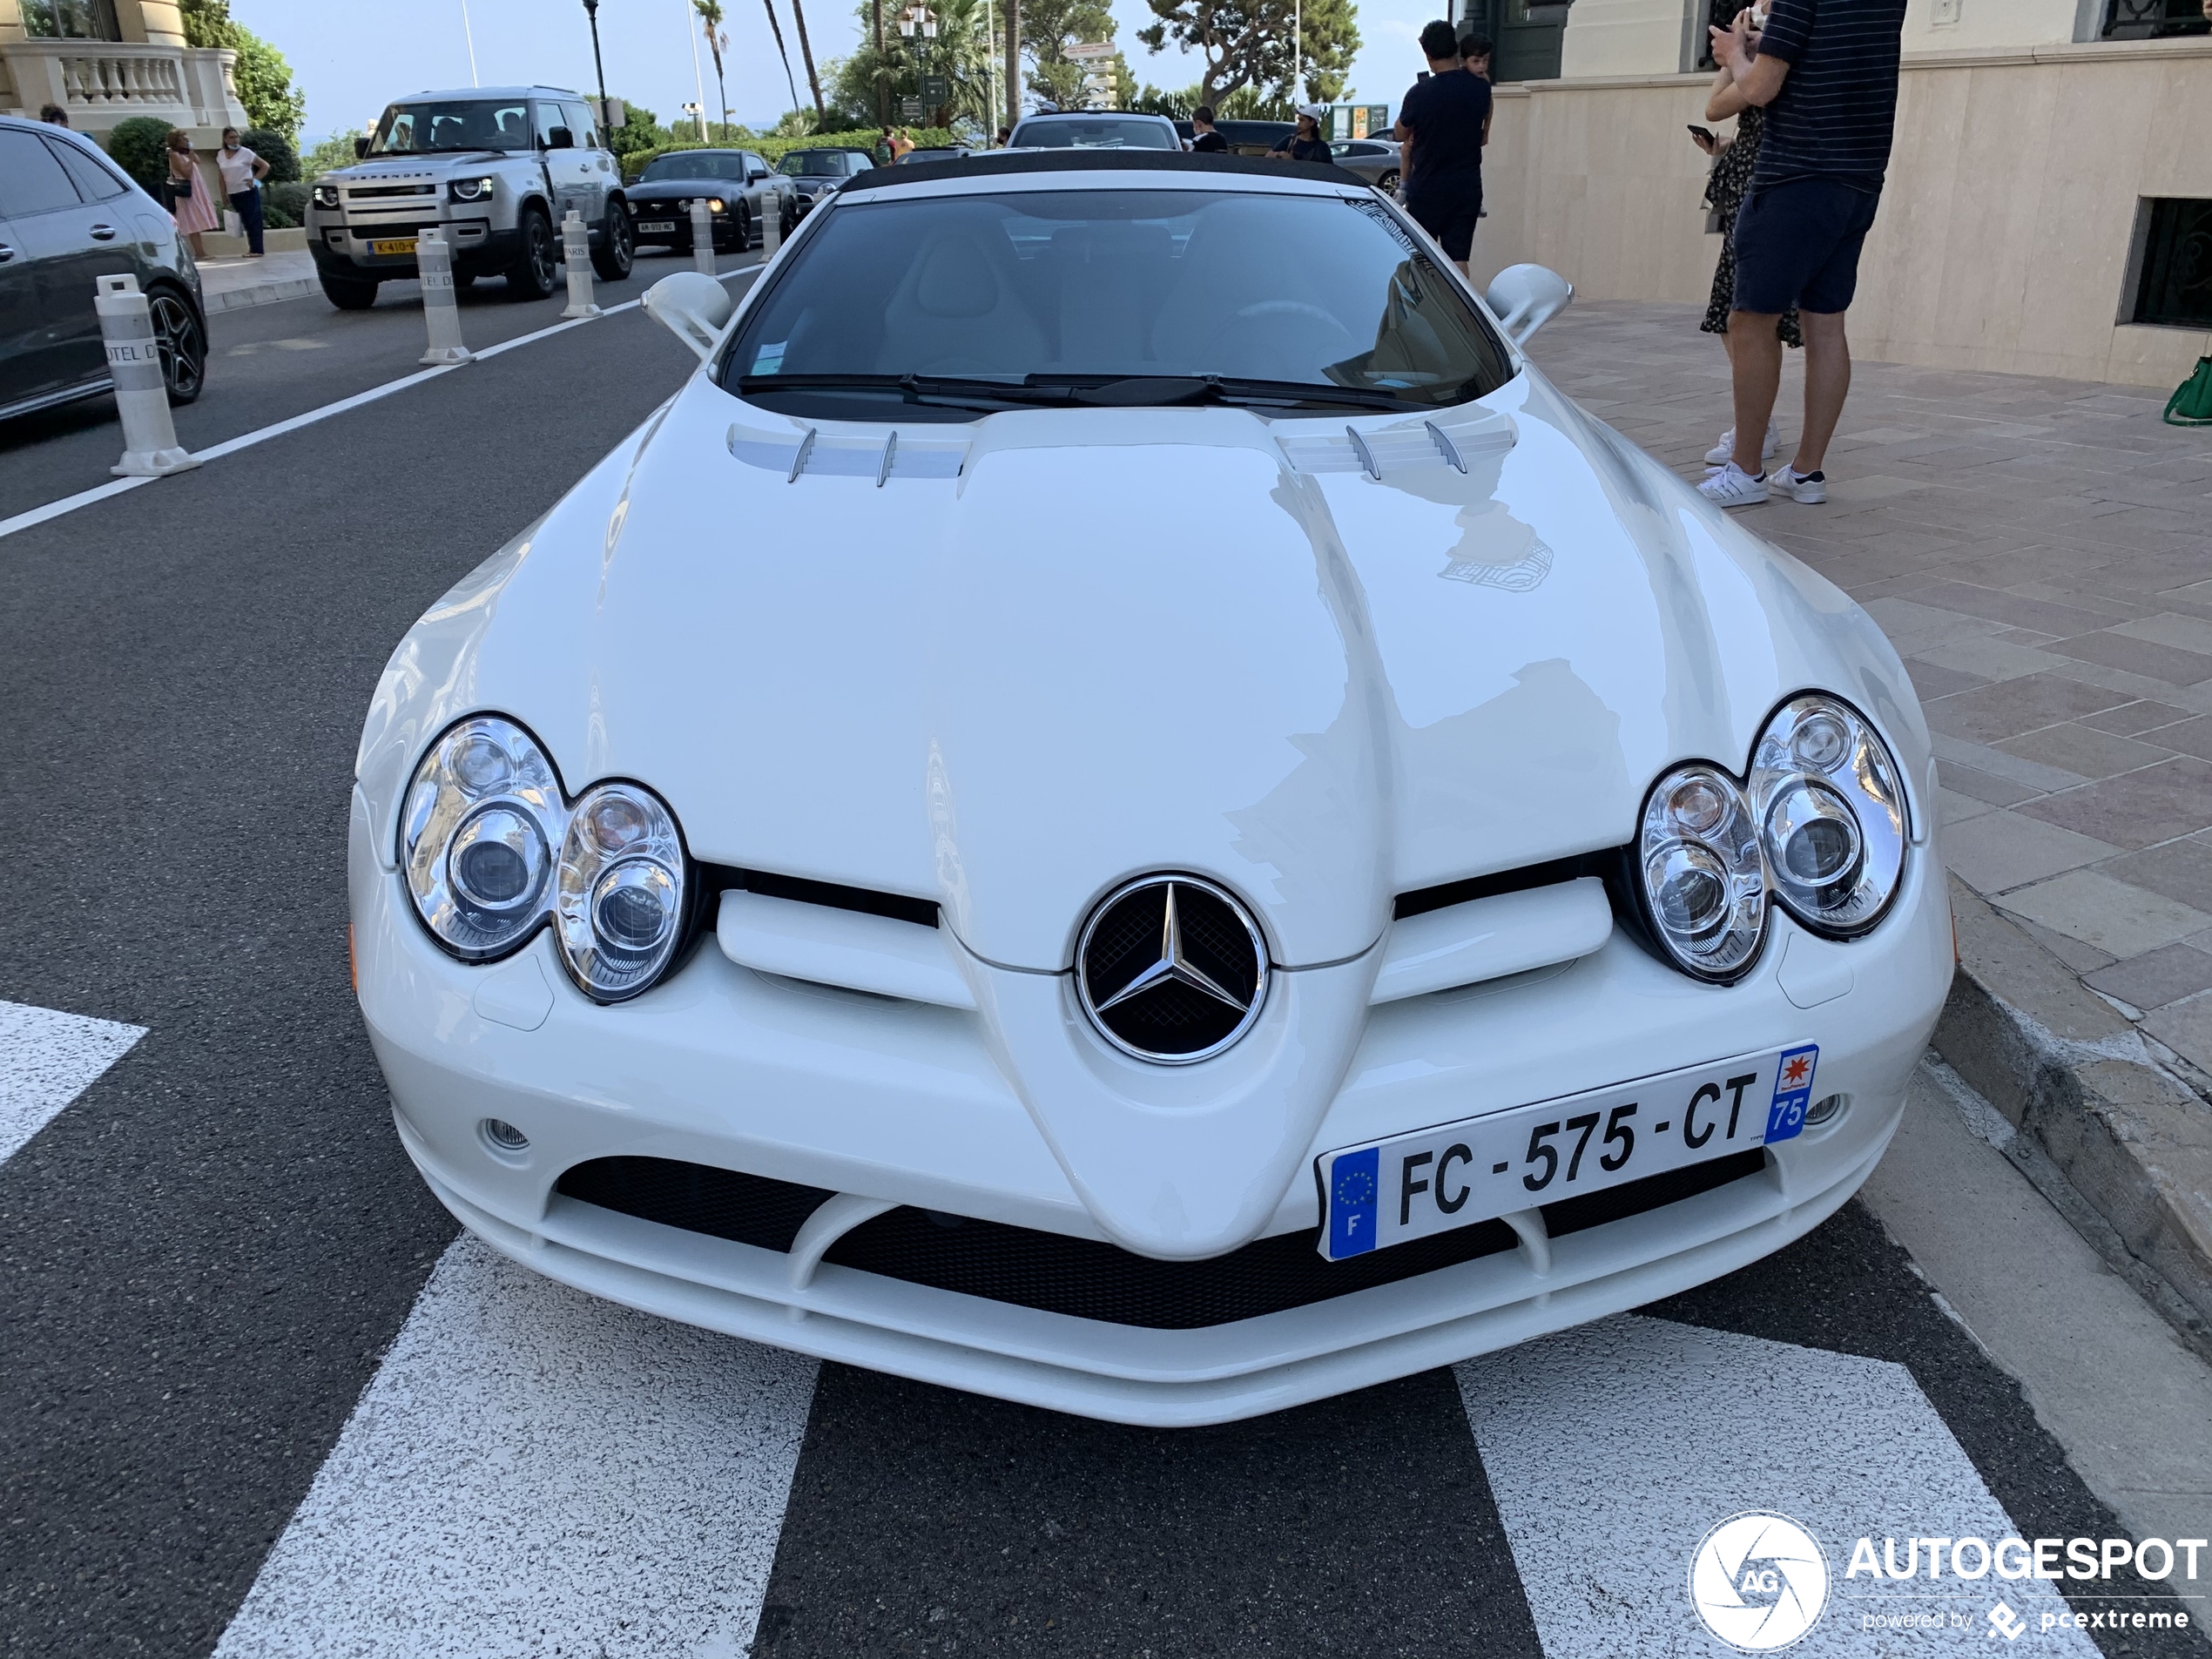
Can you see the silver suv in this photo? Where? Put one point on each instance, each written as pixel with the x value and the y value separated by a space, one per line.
pixel 496 168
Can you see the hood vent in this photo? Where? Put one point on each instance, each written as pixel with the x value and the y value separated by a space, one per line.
pixel 879 457
pixel 1405 447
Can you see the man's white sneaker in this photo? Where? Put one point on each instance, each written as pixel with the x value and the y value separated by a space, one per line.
pixel 1788 483
pixel 1724 451
pixel 1730 486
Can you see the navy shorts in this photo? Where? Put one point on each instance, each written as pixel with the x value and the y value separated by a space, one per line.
pixel 1797 244
pixel 1451 223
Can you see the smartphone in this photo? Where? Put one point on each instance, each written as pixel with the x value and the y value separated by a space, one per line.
pixel 1704 132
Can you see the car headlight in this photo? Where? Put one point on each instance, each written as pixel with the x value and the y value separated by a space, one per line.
pixel 1702 878
pixel 1831 815
pixel 471 190
pixel 714 205
pixel 621 890
pixel 483 816
pixel 489 851
pixel 326 195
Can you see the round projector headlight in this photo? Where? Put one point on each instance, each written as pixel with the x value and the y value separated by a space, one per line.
pixel 1830 812
pixel 483 814
pixel 621 891
pixel 326 195
pixel 1703 879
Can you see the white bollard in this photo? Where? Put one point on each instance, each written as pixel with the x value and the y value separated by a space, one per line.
pixel 575 252
pixel 150 446
pixel 702 236
pixel 771 227
pixel 441 313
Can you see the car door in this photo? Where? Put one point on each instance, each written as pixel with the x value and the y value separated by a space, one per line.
pixel 69 243
pixel 759 191
pixel 19 324
pixel 596 164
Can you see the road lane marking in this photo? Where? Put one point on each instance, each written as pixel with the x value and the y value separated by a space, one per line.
pixel 1612 1449
pixel 532 1471
pixel 53 509
pixel 48 1059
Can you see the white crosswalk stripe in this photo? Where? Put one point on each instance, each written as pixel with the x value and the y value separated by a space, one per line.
pixel 1612 1449
pixel 48 1059
pixel 535 1472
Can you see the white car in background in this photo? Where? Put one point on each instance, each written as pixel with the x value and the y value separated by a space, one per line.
pixel 1119 805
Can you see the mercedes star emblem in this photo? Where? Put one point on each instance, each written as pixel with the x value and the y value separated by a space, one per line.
pixel 1171 970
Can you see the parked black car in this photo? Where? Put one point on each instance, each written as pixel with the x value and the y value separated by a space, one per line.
pixel 818 171
pixel 69 216
pixel 1246 138
pixel 739 188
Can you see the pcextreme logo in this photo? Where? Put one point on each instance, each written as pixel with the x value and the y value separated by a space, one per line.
pixel 1759 1581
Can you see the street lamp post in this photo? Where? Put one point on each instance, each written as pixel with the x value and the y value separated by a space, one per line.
pixel 591 10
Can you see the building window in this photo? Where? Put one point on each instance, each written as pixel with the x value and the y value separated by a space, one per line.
pixel 2175 286
pixel 2145 19
pixel 71 20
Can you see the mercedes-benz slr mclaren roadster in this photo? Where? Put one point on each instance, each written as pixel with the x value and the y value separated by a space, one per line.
pixel 1119 805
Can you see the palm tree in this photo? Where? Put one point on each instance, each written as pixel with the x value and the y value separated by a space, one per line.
pixel 711 24
pixel 813 81
pixel 777 29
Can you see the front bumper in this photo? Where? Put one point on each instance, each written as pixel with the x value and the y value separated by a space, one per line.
pixel 901 1102
pixel 349 249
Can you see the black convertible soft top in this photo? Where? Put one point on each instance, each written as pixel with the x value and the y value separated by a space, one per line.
pixel 1001 164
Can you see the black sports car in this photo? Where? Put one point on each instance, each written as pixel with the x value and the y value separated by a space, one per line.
pixel 738 186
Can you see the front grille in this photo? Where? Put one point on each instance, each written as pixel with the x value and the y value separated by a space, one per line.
pixel 363 193
pixel 1082 1277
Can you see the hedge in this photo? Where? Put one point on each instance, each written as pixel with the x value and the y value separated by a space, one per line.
pixel 774 150
pixel 139 145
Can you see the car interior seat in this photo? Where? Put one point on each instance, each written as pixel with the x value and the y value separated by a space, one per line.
pixel 958 308
pixel 1215 319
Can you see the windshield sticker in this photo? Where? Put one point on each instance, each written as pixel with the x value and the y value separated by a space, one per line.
pixel 769 359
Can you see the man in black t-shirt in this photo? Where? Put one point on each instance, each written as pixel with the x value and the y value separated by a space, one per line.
pixel 1825 72
pixel 1205 140
pixel 1442 122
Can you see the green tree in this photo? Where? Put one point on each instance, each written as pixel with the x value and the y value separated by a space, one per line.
pixel 1048 28
pixel 710 12
pixel 1251 44
pixel 263 77
pixel 334 152
pixel 961 51
pixel 640 130
pixel 807 51
pixel 138 144
pixel 275 148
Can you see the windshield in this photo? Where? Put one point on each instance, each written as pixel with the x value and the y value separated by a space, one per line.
pixel 485 123
pixel 1053 294
pixel 695 164
pixel 815 164
pixel 1103 134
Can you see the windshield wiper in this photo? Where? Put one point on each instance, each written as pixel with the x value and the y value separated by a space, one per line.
pixel 918 388
pixel 1158 391
pixel 1118 391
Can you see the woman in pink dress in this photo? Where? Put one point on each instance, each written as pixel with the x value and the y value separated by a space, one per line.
pixel 189 203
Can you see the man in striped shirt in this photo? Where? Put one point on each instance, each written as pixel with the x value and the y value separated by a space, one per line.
pixel 1825 73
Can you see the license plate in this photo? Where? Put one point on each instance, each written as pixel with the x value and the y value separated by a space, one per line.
pixel 394 245
pixel 657 224
pixel 1430 1181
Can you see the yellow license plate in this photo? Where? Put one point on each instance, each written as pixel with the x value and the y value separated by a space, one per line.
pixel 395 245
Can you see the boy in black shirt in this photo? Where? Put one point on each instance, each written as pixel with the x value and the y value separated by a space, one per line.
pixel 1203 139
pixel 1442 122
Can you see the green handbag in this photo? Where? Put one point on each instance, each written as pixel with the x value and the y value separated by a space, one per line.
pixel 2191 404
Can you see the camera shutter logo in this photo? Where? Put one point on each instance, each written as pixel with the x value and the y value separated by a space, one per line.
pixel 1759 1581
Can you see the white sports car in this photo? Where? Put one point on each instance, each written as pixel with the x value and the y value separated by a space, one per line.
pixel 1119 805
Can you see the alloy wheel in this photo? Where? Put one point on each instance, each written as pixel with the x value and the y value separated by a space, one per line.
pixel 183 348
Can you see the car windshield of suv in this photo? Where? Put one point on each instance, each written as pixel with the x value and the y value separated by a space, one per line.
pixel 413 129
pixel 943 307
pixel 815 163
pixel 1101 134
pixel 695 164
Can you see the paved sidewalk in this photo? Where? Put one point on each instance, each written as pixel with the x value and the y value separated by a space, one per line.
pixel 229 283
pixel 2040 553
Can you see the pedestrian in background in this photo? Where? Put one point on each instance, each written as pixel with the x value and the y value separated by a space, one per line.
pixel 54 116
pixel 1474 53
pixel 1733 160
pixel 898 143
pixel 1442 122
pixel 188 202
pixel 1824 72
pixel 1303 142
pixel 1206 141
pixel 242 172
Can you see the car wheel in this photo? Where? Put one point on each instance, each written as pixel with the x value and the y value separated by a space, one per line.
pixel 789 218
pixel 744 236
pixel 347 293
pixel 614 256
pixel 1388 183
pixel 463 280
pixel 182 343
pixel 531 276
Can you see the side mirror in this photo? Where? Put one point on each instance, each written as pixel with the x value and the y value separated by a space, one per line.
pixel 360 149
pixel 1526 297
pixel 560 139
pixel 693 307
pixel 755 176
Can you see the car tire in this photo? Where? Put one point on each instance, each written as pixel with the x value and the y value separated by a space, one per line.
pixel 182 341
pixel 1388 183
pixel 531 276
pixel 463 280
pixel 615 254
pixel 347 293
pixel 743 219
pixel 788 218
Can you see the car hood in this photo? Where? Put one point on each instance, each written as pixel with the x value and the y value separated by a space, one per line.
pixel 1043 654
pixel 666 189
pixel 402 166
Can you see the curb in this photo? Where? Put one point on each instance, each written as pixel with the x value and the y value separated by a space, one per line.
pixel 260 294
pixel 2119 1147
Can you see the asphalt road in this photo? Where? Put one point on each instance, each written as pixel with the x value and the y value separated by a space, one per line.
pixel 251 1383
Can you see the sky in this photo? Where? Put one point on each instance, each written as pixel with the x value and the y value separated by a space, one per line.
pixel 351 58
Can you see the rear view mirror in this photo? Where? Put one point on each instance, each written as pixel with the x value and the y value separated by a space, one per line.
pixel 693 307
pixel 1526 297
pixel 360 149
